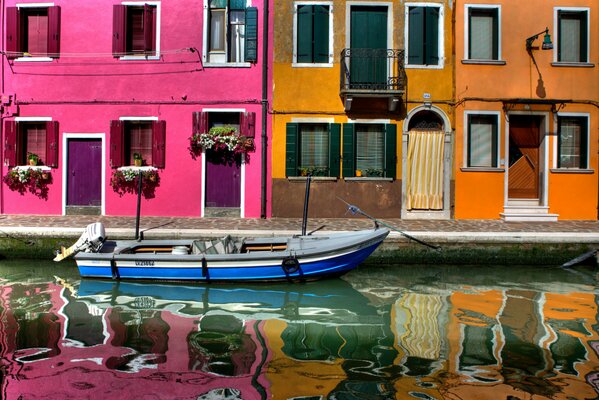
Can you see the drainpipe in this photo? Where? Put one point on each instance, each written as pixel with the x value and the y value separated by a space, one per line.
pixel 2 59
pixel 264 139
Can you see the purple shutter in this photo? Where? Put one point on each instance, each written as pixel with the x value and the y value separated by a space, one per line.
pixel 158 143
pixel 119 29
pixel 13 39
pixel 53 31
pixel 117 134
pixel 203 122
pixel 148 28
pixel 10 143
pixel 51 144
pixel 195 122
pixel 248 124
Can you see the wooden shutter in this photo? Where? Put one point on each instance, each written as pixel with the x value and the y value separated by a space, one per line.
pixel 10 143
pixel 236 4
pixel 248 124
pixel 119 30
pixel 13 39
pixel 334 149
pixel 149 28
pixel 53 31
pixel 349 163
pixel 291 149
pixel 117 143
pixel 321 34
pixel 158 144
pixel 304 33
pixel 416 35
pixel 52 138
pixel 199 122
pixel 431 36
pixel 251 34
pixel 390 150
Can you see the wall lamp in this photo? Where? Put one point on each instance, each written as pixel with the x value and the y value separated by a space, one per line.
pixel 547 45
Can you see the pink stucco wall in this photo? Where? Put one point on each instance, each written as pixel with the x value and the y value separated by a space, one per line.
pixel 86 88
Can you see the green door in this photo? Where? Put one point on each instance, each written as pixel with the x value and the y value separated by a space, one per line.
pixel 368 42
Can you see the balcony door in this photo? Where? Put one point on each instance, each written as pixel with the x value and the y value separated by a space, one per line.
pixel 368 43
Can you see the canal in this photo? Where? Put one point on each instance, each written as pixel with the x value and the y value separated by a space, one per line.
pixel 380 332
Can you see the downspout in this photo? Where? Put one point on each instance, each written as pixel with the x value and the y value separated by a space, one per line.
pixel 264 139
pixel 2 5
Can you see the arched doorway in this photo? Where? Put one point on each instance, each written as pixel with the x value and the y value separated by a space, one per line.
pixel 426 149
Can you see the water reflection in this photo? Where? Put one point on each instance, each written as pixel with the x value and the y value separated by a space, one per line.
pixel 389 332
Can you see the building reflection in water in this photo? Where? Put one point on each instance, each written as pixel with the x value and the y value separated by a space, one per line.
pixel 373 335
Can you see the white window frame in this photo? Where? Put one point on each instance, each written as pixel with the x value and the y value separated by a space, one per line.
pixel 440 38
pixel 556 11
pixel 466 133
pixel 156 56
pixel 206 44
pixel 556 141
pixel 331 37
pixel 34 5
pixel 467 8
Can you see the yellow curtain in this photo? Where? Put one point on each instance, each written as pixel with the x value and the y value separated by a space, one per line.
pixel 425 170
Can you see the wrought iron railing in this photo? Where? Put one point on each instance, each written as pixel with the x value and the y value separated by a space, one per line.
pixel 376 70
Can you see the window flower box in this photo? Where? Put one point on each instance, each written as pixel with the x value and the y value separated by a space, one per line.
pixel 220 139
pixel 28 178
pixel 125 180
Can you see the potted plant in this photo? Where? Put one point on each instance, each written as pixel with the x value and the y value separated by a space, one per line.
pixel 33 158
pixel 137 160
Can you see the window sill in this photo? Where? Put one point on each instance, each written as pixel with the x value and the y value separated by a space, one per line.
pixel 314 178
pixel 140 58
pixel 34 59
pixel 481 169
pixel 484 62
pixel 311 65
pixel 228 65
pixel 571 171
pixel 367 179
pixel 418 66
pixel 573 64
pixel 33 167
pixel 140 169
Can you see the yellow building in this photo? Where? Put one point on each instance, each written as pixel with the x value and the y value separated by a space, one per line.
pixel 362 102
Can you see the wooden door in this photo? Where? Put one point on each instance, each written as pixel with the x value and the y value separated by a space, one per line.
pixel 223 179
pixel 84 172
pixel 368 42
pixel 524 156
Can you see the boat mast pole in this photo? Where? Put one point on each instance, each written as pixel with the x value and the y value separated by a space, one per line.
pixel 306 200
pixel 138 212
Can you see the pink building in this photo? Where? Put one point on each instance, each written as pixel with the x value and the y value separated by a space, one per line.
pixel 90 86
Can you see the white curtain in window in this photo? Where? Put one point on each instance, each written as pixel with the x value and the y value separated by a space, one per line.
pixel 424 187
pixel 481 39
pixel 217 30
pixel 570 133
pixel 481 144
pixel 314 146
pixel 370 147
pixel 569 40
pixel 237 50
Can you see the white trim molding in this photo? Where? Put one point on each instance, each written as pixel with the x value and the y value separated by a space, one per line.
pixel 440 36
pixel 329 64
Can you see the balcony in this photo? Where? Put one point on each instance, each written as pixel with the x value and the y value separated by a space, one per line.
pixel 372 73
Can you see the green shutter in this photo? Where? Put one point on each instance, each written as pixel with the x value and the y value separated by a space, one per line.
pixel 390 150
pixel 291 149
pixel 349 158
pixel 237 4
pixel 416 35
pixel 321 34
pixel 304 34
pixel 251 35
pixel 431 40
pixel 218 3
pixel 334 149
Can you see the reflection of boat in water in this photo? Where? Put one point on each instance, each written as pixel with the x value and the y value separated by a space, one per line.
pixel 330 302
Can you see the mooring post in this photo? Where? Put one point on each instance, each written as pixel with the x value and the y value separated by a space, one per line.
pixel 137 236
pixel 306 201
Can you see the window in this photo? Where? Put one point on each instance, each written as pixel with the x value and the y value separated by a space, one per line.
pixel 146 137
pixel 483 33
pixel 245 122
pixel 572 142
pixel 33 32
pixel 232 32
pixel 425 25
pixel 482 141
pixel 313 148
pixel 37 137
pixel 312 34
pixel 572 36
pixel 369 150
pixel 135 30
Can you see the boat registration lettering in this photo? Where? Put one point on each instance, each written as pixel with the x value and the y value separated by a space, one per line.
pixel 144 263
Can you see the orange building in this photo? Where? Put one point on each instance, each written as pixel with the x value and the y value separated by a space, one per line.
pixel 527 109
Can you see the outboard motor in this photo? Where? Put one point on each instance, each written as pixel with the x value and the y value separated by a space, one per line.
pixel 91 240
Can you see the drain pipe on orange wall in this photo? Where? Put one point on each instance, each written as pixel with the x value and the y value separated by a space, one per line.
pixel 264 138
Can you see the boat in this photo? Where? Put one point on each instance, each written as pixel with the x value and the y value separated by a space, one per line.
pixel 275 258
